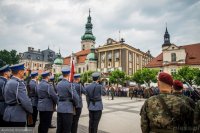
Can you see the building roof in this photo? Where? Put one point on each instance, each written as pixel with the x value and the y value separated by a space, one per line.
pixel 110 42
pixel 192 56
pixel 80 56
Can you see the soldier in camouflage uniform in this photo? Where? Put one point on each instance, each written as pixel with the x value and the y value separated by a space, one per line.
pixel 197 118
pixel 177 91
pixel 165 113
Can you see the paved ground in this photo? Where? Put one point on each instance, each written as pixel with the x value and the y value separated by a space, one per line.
pixel 120 115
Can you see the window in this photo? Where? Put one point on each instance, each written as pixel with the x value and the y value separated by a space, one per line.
pixel 102 57
pixel 137 59
pixel 110 57
pixel 173 57
pixel 79 70
pixel 117 56
pixel 173 71
pixel 130 57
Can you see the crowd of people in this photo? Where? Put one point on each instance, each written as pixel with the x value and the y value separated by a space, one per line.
pixel 144 92
pixel 168 109
pixel 21 101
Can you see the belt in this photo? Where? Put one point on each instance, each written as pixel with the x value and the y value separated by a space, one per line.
pixel 45 98
pixel 163 131
pixel 13 104
pixel 63 100
pixel 94 100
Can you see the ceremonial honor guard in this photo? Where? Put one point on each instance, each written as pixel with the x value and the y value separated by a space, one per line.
pixel 52 82
pixel 94 92
pixel 16 98
pixel 68 100
pixel 47 98
pixel 33 96
pixel 80 90
pixel 4 76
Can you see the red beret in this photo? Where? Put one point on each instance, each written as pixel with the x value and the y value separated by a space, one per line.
pixel 165 78
pixel 177 85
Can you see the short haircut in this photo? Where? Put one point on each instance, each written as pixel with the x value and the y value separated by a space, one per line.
pixel 95 78
pixel 65 75
pixel 15 72
pixel 33 77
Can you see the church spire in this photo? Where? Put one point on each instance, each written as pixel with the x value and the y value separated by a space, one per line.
pixel 166 38
pixel 88 30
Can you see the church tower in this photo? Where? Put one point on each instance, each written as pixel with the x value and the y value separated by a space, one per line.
pixel 166 40
pixel 88 39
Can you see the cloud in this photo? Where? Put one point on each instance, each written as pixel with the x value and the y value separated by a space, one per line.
pixel 60 23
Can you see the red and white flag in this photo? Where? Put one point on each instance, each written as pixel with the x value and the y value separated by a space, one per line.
pixel 72 71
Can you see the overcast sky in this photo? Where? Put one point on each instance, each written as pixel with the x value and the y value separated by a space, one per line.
pixel 61 23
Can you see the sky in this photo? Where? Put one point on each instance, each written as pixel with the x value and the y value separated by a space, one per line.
pixel 60 24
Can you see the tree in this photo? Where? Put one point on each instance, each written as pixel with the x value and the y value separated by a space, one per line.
pixel 145 75
pixel 86 77
pixel 9 57
pixel 187 74
pixel 117 77
pixel 197 78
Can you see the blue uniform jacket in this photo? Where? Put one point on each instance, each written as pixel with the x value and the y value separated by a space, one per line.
pixel 47 97
pixel 66 93
pixel 19 104
pixel 2 100
pixel 33 93
pixel 99 91
pixel 80 90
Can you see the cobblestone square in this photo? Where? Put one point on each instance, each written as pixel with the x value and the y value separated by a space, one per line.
pixel 120 115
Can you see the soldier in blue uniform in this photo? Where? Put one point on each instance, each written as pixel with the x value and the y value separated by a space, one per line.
pixel 68 100
pixel 94 92
pixel 52 82
pixel 33 96
pixel 4 76
pixel 80 90
pixel 16 98
pixel 60 78
pixel 47 98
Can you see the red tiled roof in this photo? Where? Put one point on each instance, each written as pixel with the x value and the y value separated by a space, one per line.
pixel 81 57
pixel 156 62
pixel 192 56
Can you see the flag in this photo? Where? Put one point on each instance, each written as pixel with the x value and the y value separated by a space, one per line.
pixel 72 71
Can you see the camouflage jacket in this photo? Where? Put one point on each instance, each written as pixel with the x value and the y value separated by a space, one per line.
pixel 188 100
pixel 154 116
pixel 197 117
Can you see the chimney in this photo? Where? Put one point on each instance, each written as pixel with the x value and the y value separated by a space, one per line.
pixel 29 49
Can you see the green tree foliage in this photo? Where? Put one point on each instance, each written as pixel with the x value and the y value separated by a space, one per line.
pixel 9 57
pixel 86 77
pixel 188 74
pixel 56 76
pixel 197 78
pixel 117 77
pixel 145 75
